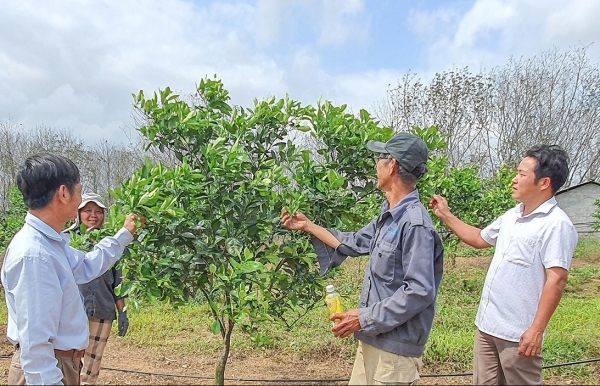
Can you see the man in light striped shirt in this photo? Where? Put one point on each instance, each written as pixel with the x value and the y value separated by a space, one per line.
pixel 46 318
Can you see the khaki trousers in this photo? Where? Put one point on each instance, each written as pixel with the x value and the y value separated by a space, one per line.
pixel 99 333
pixel 70 368
pixel 497 362
pixel 374 366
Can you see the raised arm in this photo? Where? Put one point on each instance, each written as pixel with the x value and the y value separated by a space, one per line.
pixel 300 222
pixel 468 234
pixel 88 266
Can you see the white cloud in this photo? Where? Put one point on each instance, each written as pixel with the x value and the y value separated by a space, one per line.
pixel 74 65
pixel 343 20
pixel 491 31
pixel 271 17
pixel 578 19
pixel 484 17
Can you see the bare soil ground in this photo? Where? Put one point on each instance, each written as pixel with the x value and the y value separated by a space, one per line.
pixel 268 368
pixel 257 369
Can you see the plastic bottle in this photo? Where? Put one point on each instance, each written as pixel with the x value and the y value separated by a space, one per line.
pixel 334 301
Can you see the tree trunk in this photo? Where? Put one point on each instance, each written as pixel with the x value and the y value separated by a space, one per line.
pixel 220 370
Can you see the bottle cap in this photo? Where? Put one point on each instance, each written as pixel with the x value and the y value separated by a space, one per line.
pixel 330 288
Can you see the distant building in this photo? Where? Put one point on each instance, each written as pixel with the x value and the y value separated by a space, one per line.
pixel 578 203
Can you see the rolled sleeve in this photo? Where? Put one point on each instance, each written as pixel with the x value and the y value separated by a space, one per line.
pixel 416 292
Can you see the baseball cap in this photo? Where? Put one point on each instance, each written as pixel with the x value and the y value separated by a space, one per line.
pixel 409 150
pixel 91 197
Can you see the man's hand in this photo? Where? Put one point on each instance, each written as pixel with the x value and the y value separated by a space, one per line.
pixel 348 324
pixel 130 223
pixel 123 322
pixel 530 344
pixel 439 205
pixel 297 222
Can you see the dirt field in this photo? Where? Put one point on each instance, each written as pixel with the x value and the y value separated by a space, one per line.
pixel 260 369
pixel 266 368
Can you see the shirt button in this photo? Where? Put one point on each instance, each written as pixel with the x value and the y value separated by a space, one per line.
pixel 379 254
pixel 363 304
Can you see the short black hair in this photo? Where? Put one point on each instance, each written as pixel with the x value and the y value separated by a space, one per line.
pixel 552 162
pixel 41 175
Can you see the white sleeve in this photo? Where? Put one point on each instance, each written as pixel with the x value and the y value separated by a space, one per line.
pixel 558 246
pixel 88 266
pixel 37 295
pixel 491 232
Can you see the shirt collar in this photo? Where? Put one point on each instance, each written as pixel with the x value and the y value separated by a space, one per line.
pixel 545 208
pixel 398 210
pixel 42 227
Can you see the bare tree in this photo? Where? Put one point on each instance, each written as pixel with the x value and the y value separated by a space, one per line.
pixel 103 165
pixel 14 144
pixel 492 117
pixel 456 101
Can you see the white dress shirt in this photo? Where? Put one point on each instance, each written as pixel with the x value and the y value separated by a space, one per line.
pixel 40 275
pixel 525 247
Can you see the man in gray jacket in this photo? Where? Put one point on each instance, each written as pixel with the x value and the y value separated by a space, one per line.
pixel 397 302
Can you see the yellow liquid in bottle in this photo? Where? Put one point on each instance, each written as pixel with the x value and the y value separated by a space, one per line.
pixel 334 303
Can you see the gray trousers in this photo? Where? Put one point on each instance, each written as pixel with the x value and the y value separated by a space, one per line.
pixel 497 362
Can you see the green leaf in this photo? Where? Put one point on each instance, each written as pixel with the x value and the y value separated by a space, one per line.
pixel 251 266
pixel 248 255
pixel 215 328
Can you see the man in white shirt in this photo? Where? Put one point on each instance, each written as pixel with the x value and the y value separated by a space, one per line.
pixel 535 242
pixel 46 318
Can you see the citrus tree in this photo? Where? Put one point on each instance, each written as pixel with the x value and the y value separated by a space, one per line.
pixel 213 229
pixel 475 200
pixel 596 214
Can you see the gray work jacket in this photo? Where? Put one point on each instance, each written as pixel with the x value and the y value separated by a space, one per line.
pixel 397 302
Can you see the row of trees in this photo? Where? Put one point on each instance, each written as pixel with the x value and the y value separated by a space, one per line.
pixel 213 206
pixel 212 178
pixel 103 165
pixel 493 116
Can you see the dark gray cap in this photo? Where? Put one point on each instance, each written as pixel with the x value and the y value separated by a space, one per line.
pixel 410 151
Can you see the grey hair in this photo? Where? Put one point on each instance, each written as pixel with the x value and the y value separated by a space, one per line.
pixel 411 179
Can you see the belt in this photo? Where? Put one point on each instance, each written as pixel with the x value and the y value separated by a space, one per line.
pixel 64 353
pixel 69 353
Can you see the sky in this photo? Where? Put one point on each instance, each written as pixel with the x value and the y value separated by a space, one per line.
pixel 74 64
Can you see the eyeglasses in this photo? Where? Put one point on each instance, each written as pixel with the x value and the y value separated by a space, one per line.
pixel 382 156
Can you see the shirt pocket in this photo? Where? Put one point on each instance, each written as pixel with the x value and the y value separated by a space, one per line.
pixel 384 260
pixel 522 250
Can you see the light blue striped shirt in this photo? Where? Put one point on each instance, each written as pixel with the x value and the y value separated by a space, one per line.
pixel 40 275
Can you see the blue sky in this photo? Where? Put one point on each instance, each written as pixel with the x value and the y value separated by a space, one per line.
pixel 74 64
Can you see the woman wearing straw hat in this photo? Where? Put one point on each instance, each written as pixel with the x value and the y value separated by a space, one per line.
pixel 99 294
